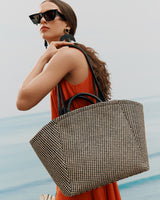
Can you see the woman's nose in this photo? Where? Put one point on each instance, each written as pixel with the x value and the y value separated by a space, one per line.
pixel 42 21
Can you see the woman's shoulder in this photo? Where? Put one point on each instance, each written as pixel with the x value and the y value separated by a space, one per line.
pixel 70 52
pixel 80 70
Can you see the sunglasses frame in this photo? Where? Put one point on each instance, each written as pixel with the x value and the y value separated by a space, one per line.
pixel 55 11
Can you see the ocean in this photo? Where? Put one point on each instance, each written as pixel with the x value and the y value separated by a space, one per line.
pixel 23 177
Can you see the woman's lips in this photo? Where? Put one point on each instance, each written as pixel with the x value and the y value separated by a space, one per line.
pixel 44 28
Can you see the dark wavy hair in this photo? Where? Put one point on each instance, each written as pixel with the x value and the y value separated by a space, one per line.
pixel 99 66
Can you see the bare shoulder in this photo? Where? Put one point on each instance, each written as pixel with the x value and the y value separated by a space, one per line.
pixel 66 58
pixel 79 64
pixel 71 53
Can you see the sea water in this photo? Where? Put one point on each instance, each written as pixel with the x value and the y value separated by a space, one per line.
pixel 23 177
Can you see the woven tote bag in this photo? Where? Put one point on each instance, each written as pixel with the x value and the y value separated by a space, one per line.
pixel 94 145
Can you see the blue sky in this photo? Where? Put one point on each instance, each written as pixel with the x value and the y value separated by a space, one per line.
pixel 125 33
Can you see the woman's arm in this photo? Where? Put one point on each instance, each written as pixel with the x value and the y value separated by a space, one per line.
pixel 38 68
pixel 41 81
pixel 43 60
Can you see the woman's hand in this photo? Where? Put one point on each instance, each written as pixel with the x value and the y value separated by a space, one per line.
pixel 53 48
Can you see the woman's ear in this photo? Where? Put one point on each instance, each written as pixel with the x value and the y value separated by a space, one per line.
pixel 67 28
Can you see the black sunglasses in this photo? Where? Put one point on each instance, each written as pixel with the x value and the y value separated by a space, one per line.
pixel 48 16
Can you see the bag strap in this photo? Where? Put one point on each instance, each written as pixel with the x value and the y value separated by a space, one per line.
pixel 63 109
pixel 100 93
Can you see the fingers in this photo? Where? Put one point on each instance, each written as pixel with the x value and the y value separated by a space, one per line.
pixel 54 47
pixel 60 44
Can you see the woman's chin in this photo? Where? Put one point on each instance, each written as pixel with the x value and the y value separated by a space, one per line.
pixel 49 38
pixel 44 36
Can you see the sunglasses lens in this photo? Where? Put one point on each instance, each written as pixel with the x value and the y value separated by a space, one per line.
pixel 50 15
pixel 35 18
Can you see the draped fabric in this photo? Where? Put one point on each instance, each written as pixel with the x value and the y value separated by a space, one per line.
pixel 108 192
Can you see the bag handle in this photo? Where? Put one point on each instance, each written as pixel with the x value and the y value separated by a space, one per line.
pixel 80 95
pixel 63 109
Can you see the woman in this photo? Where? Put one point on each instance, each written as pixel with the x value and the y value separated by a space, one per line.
pixel 69 67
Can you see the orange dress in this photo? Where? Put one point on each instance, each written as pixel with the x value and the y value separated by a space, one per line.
pixel 108 192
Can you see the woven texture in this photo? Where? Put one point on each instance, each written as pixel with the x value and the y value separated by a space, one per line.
pixel 93 146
